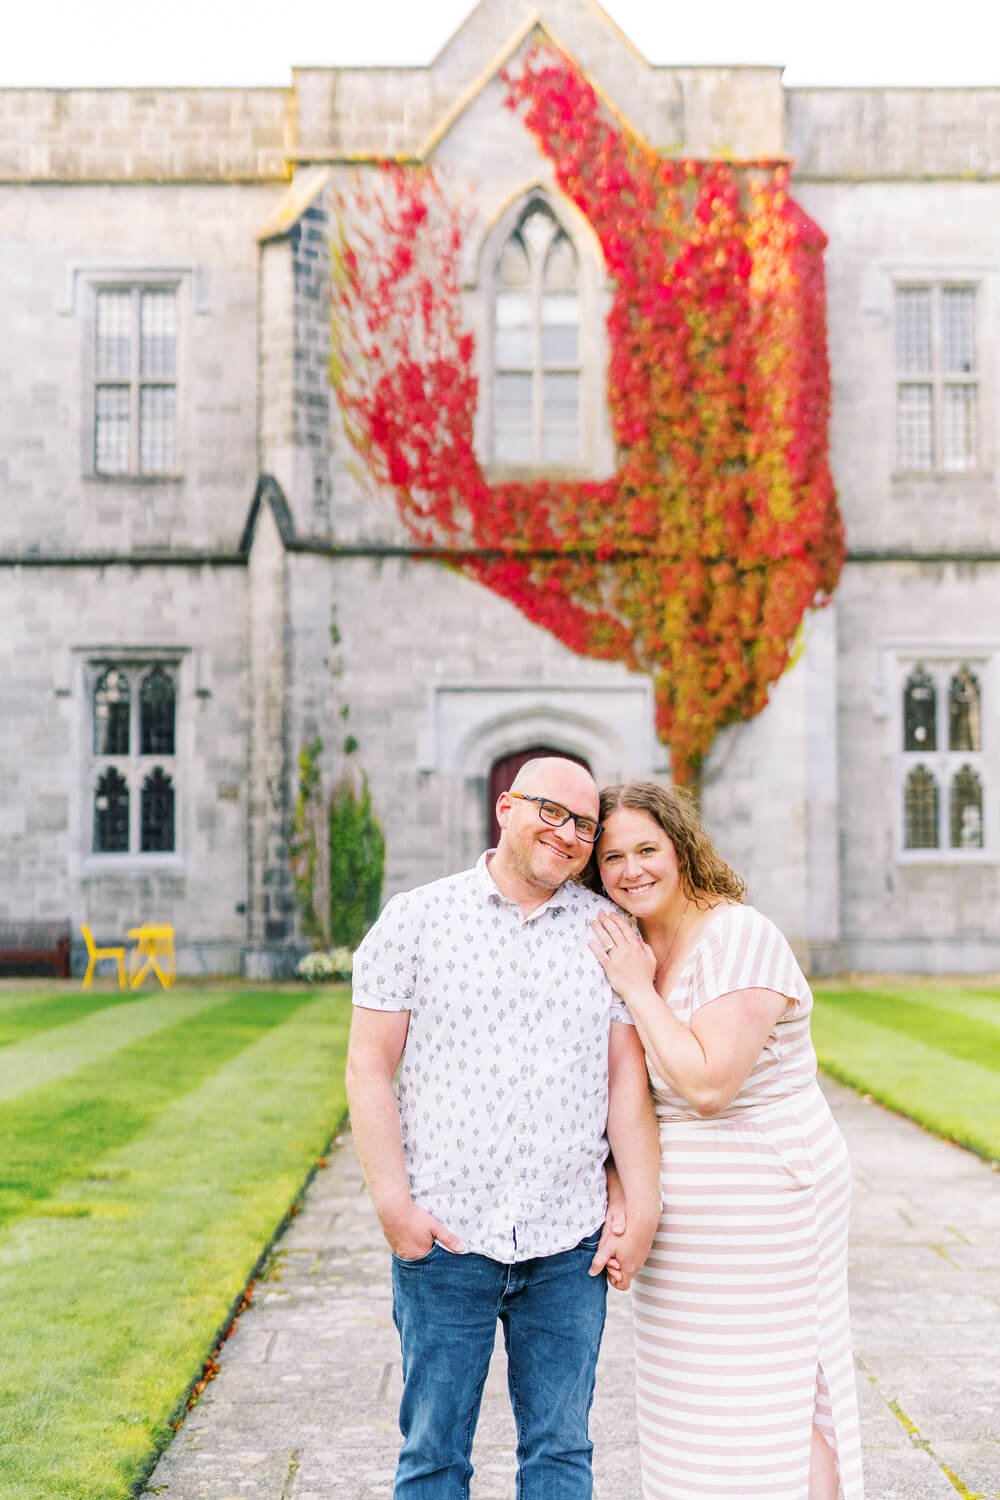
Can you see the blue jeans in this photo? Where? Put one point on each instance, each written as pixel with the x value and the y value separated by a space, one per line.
pixel 446 1308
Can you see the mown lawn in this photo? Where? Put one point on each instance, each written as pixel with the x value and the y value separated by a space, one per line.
pixel 927 1048
pixel 150 1146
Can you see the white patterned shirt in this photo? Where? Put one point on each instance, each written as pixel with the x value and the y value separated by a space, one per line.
pixel 503 1087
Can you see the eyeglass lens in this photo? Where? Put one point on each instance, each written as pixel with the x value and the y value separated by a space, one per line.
pixel 556 815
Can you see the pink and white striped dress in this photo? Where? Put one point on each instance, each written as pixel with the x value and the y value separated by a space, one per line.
pixel 741 1318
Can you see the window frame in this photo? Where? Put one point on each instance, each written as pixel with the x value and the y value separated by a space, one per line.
pixel 936 378
pixel 135 284
pixel 538 367
pixel 134 767
pixel 942 664
pixel 597 458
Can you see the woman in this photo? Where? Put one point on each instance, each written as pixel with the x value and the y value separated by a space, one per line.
pixel 743 1359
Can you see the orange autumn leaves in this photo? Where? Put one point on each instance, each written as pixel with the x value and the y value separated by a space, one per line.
pixel 698 559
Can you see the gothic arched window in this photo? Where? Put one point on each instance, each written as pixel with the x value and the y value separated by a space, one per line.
pixel 133 762
pixel 111 813
pixel 156 713
pixel 920 810
pixel 112 710
pixel 944 785
pixel 920 712
pixel 964 712
pixel 966 810
pixel 536 390
pixel 156 813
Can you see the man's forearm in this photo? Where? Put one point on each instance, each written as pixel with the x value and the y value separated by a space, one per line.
pixel 632 1131
pixel 635 1146
pixel 378 1138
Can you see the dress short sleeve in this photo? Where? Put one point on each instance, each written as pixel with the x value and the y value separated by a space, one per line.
pixel 384 975
pixel 743 950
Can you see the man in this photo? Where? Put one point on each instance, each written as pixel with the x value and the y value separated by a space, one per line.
pixel 486 1161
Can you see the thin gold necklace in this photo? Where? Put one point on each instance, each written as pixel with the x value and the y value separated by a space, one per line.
pixel 663 963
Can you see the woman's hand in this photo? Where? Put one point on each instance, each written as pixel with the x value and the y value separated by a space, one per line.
pixel 629 963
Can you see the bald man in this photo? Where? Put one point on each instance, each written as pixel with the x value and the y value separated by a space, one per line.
pixel 485 1158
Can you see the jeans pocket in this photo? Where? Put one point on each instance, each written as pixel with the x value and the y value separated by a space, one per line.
pixel 590 1242
pixel 417 1260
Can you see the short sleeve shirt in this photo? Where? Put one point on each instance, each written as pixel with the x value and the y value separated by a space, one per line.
pixel 503 1087
pixel 741 949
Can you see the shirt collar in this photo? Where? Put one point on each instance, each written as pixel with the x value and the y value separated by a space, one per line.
pixel 565 895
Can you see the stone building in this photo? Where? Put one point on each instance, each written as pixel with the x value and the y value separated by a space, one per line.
pixel 181 513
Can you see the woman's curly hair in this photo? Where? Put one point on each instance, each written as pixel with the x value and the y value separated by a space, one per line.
pixel 703 871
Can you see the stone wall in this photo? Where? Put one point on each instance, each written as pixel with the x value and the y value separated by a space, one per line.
pixel 57 243
pixel 916 910
pixel 209 188
pixel 55 620
pixel 144 135
pixel 404 111
pixel 880 234
pixel 914 134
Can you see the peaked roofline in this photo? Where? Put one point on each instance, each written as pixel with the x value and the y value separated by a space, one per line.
pixel 499 61
pixel 534 19
pixel 268 492
pixel 299 198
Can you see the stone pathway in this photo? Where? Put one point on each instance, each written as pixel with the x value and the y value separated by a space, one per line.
pixel 305 1405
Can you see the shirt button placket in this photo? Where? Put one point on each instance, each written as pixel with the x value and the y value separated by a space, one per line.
pixel 523 1124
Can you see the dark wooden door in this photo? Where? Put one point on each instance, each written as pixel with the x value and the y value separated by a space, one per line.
pixel 503 772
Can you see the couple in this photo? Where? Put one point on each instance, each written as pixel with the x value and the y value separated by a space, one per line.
pixel 538 1024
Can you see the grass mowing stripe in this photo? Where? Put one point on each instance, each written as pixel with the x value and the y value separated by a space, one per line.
pixel 978 1005
pixel 17 992
pixel 37 1061
pixel 107 1319
pixel 51 1011
pixel 960 1037
pixel 960 1100
pixel 56 1130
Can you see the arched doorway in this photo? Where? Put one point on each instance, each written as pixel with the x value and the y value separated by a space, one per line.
pixel 503 771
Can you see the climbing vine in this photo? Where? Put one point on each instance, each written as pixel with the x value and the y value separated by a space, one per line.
pixel 337 846
pixel 697 561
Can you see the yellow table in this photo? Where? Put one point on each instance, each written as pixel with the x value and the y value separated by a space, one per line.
pixel 153 942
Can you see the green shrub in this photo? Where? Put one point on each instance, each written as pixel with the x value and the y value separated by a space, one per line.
pixel 357 863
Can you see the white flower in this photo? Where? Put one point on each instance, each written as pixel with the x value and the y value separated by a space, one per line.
pixel 334 964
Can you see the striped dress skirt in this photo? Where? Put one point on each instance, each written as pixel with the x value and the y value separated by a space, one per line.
pixel 741 1317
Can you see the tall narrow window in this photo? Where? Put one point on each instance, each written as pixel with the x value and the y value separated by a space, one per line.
pixel 133 763
pixel 921 810
pixel 156 713
pixel 112 713
pixel 966 810
pixel 111 814
pixel 135 381
pixel 964 712
pixel 937 392
pixel 944 772
pixel 536 397
pixel 920 712
pixel 157 817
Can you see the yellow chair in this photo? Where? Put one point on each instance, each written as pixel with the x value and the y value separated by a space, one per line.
pixel 95 954
pixel 153 941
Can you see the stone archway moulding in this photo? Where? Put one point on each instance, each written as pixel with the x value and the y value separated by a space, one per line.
pixel 471 725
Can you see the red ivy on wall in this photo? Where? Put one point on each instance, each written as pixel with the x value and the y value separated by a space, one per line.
pixel 698 559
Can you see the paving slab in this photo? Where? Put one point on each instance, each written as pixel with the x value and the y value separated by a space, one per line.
pixel 304 1407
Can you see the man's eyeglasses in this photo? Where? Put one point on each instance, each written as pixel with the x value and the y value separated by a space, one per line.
pixel 556 816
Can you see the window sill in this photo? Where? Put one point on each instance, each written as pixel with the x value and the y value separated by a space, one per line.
pixel 133 478
pixel 132 864
pixel 532 473
pixel 938 857
pixel 939 476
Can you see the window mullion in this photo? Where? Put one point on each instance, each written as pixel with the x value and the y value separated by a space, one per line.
pixel 135 378
pixel 537 371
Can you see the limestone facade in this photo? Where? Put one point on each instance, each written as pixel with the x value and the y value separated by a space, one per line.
pixel 229 569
